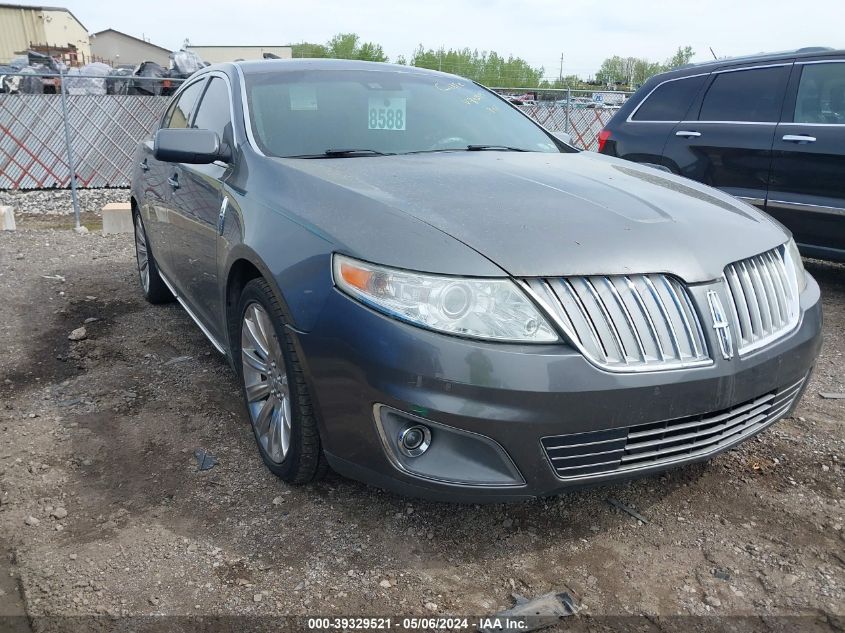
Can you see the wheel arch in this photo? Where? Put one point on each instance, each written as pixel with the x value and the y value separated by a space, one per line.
pixel 245 265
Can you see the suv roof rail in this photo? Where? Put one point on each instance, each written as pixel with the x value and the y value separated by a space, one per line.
pixel 815 49
pixel 806 50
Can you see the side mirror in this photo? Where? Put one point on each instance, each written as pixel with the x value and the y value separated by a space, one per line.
pixel 186 145
pixel 564 137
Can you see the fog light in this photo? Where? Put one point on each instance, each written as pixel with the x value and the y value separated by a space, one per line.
pixel 414 440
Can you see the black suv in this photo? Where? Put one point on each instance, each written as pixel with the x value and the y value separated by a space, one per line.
pixel 769 129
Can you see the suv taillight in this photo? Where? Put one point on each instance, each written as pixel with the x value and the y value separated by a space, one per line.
pixel 603 136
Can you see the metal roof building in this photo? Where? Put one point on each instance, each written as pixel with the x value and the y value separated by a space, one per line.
pixel 120 48
pixel 52 30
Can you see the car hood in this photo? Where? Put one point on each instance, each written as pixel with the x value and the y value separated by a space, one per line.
pixel 536 214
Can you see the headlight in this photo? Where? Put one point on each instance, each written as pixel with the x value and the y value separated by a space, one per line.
pixel 793 259
pixel 494 309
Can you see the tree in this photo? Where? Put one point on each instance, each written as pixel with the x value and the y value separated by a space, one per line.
pixel 343 46
pixel 350 46
pixel 634 71
pixel 681 57
pixel 643 69
pixel 370 52
pixel 307 49
pixel 612 71
pixel 488 68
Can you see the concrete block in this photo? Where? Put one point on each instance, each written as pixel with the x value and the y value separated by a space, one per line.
pixel 7 218
pixel 117 218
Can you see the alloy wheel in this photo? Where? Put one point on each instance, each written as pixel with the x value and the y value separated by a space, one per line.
pixel 141 253
pixel 266 383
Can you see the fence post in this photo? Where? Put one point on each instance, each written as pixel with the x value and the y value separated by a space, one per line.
pixel 70 164
pixel 568 106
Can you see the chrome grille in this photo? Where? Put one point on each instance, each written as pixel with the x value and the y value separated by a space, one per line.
pixel 626 322
pixel 584 455
pixel 764 298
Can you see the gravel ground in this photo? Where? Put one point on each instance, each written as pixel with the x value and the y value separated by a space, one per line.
pixel 103 509
pixel 59 201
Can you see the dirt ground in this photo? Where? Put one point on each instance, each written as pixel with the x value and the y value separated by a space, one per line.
pixel 104 511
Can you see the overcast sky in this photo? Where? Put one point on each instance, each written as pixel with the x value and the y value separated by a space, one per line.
pixel 539 31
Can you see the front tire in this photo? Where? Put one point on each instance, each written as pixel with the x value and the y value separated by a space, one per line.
pixel 274 389
pixel 155 291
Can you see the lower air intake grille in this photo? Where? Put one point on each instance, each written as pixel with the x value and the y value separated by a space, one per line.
pixel 584 455
pixel 626 322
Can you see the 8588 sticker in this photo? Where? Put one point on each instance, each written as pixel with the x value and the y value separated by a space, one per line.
pixel 386 113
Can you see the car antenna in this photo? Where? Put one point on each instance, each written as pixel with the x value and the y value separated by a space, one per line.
pixel 712 53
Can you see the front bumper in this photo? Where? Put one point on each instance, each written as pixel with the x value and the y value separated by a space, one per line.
pixel 358 360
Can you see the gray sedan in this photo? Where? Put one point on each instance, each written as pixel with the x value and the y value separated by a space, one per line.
pixel 425 290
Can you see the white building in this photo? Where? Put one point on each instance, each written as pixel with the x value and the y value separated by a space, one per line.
pixel 217 54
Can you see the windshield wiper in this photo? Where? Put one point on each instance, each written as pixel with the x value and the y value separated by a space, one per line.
pixel 344 153
pixel 340 153
pixel 470 148
pixel 496 148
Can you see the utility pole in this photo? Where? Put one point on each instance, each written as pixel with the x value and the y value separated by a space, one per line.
pixel 560 76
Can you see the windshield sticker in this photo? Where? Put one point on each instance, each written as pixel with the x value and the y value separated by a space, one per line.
pixel 386 113
pixel 303 97
pixel 447 87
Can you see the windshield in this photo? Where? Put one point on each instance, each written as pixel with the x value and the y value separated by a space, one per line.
pixel 307 113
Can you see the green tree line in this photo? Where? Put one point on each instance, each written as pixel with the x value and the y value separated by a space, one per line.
pixel 342 46
pixel 490 68
pixel 632 72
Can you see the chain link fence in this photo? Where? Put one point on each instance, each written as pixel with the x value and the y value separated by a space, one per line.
pixel 580 113
pixel 54 125
pixel 42 135
pixel 104 132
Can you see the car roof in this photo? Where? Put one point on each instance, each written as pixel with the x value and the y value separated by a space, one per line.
pixel 757 58
pixel 292 65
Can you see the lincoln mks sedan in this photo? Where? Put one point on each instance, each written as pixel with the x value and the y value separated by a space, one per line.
pixel 423 289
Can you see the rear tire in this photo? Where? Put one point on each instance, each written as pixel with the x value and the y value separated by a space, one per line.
pixel 155 291
pixel 274 389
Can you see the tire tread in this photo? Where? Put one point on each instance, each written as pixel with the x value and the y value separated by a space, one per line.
pixel 311 463
pixel 158 292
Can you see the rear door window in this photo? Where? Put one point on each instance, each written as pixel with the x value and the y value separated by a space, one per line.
pixel 670 101
pixel 754 95
pixel 821 94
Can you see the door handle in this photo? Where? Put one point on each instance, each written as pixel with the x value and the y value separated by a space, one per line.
pixel 687 134
pixel 145 165
pixel 799 138
pixel 173 181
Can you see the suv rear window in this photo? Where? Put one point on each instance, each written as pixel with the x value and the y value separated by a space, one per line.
pixel 745 95
pixel 670 101
pixel 821 94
